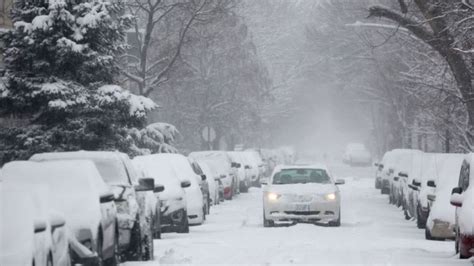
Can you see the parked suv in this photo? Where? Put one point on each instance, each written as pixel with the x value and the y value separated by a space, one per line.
pixel 462 197
pixel 118 173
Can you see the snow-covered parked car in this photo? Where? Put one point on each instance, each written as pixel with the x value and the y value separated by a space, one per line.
pixel 239 161
pixel 400 168
pixel 410 169
pixel 302 194
pixel 212 180
pixel 441 220
pixel 76 190
pixel 256 161
pixel 119 174
pixel 203 184
pixel 357 154
pixel 227 172
pixel 172 200
pixel 462 197
pixel 423 186
pixel 194 197
pixel 26 235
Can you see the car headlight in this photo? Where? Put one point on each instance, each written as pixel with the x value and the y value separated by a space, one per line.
pixel 273 196
pixel 330 196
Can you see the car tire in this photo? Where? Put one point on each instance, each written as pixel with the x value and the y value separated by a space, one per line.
pixel 98 247
pixel 49 262
pixel 204 213
pixel 243 187
pixel 428 235
pixel 267 223
pixel 134 251
pixel 147 244
pixel 337 222
pixel 115 260
pixel 184 227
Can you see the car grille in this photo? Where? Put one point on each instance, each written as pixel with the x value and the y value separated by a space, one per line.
pixel 302 213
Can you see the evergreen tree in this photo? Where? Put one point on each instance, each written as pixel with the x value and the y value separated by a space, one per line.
pixel 60 61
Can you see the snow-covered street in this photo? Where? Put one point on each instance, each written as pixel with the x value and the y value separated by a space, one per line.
pixel 372 233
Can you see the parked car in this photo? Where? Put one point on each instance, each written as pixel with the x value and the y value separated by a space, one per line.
pixel 173 212
pixel 378 174
pixel 357 154
pixel 400 167
pixel 27 238
pixel 240 163
pixel 463 199
pixel 302 194
pixel 410 169
pixel 227 171
pixel 423 187
pixel 213 181
pixel 77 191
pixel 195 200
pixel 387 172
pixel 257 162
pixel 203 184
pixel 441 220
pixel 119 174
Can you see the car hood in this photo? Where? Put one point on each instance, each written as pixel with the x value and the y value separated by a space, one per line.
pixel 308 188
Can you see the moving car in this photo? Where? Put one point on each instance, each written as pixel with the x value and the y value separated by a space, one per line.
pixel 357 154
pixel 463 199
pixel 77 191
pixel 302 194
pixel 441 220
pixel 173 212
pixel 118 173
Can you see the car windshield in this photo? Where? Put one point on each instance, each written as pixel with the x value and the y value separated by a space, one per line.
pixel 301 176
pixel 112 171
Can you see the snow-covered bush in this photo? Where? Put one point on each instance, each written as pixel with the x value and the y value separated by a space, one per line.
pixel 154 138
pixel 60 61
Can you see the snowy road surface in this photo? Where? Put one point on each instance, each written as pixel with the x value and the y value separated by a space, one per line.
pixel 372 233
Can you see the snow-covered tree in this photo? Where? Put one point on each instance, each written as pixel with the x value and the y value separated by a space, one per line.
pixel 60 64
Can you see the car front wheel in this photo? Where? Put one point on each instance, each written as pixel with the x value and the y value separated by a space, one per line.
pixel 267 223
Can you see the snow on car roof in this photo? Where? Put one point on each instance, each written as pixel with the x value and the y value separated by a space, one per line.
pixel 77 154
pixel 301 166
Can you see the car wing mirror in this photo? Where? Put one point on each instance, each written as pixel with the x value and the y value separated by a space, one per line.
pixel 403 174
pixel 56 221
pixel 145 184
pixel 413 187
pixel 340 182
pixel 158 188
pixel 431 197
pixel 431 183
pixel 416 183
pixel 456 197
pixel 264 181
pixel 107 197
pixel 40 225
pixel 185 184
pixel 248 167
pixel 396 178
pixel 203 177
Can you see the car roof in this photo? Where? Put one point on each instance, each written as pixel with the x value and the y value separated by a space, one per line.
pixel 106 155
pixel 301 166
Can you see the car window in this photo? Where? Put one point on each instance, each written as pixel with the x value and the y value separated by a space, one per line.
pixel 112 171
pixel 301 176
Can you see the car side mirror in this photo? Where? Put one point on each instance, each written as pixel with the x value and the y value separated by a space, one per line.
pixel 203 177
pixel 403 174
pixel 40 226
pixel 413 187
pixel 431 197
pixel 56 221
pixel 416 183
pixel 158 188
pixel 456 197
pixel 431 183
pixel 340 182
pixel 235 165
pixel 248 167
pixel 185 184
pixel 396 178
pixel 264 181
pixel 107 197
pixel 145 184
